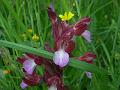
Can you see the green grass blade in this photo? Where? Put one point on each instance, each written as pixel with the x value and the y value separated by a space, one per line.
pixel 74 63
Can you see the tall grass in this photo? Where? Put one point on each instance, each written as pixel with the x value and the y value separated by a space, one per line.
pixel 16 16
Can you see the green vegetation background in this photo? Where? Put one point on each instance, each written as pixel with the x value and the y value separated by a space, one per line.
pixel 16 16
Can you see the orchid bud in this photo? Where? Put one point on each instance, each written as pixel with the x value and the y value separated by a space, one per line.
pixel 87 57
pixel 61 58
pixel 52 14
pixel 87 35
pixel 85 20
pixel 81 26
pixel 89 75
pixel 79 29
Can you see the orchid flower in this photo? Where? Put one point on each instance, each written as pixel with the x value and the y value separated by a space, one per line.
pixel 29 62
pixel 88 57
pixel 31 80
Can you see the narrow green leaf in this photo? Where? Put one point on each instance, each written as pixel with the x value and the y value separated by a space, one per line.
pixel 74 63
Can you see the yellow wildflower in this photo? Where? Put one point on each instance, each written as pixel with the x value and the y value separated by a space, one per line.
pixel 24 36
pixel 63 17
pixel 66 16
pixel 30 30
pixel 35 37
pixel 73 4
pixel 6 71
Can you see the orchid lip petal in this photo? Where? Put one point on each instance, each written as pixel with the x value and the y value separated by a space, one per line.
pixel 29 66
pixel 86 34
pixel 23 85
pixel 61 58
pixel 52 87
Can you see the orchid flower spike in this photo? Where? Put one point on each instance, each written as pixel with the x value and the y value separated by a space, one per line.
pixel 61 58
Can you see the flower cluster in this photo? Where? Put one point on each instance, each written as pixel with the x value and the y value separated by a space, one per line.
pixel 64 44
pixel 35 37
pixel 28 34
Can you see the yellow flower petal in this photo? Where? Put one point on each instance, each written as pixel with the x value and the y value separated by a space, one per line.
pixel 70 15
pixel 61 16
pixel 66 16
pixel 6 71
pixel 35 37
pixel 30 30
pixel 24 36
pixel 73 4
